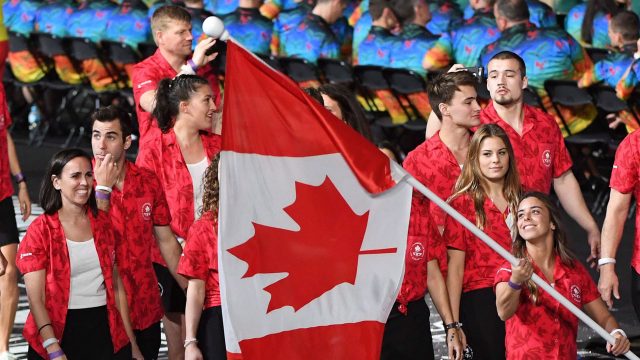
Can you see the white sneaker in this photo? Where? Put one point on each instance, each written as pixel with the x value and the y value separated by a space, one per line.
pixel 7 356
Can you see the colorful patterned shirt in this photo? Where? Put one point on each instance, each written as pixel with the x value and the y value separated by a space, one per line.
pixel 221 7
pixel 89 20
pixel 272 8
pixel 310 40
pixel 548 53
pixel 44 247
pixel 129 25
pixel 540 152
pixel 285 22
pixel 376 48
pixel 199 258
pixel 625 178
pixel 134 212
pixel 463 44
pixel 548 330
pixel 573 25
pixel 251 29
pixel 344 33
pixel 480 261
pixel 445 15
pixel 52 18
pixel 629 81
pixel 410 49
pixel 610 69
pixel 19 15
pixel 541 14
pixel 360 32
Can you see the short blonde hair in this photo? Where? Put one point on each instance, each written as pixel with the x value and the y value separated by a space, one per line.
pixel 164 14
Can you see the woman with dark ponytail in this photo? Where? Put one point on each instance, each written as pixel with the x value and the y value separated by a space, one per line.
pixel 537 326
pixel 186 112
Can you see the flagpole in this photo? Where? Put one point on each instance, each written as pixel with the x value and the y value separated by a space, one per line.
pixel 514 261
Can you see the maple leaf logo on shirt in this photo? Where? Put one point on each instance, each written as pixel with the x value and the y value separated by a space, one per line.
pixel 320 256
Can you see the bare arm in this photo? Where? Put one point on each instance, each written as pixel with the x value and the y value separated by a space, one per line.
pixel 123 308
pixel 23 193
pixel 433 125
pixel 455 273
pixel 440 297
pixel 570 196
pixel 508 298
pixel 148 101
pixel 617 211
pixel 170 250
pixel 599 313
pixel 35 284
pixel 192 313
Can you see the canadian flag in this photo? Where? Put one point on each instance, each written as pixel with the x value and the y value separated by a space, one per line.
pixel 313 224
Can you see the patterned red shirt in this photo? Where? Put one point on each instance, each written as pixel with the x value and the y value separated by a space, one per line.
pixel 480 261
pixel 134 212
pixel 199 259
pixel 419 252
pixel 146 76
pixel 548 330
pixel 44 247
pixel 624 178
pixel 540 152
pixel 163 156
pixel 6 189
pixel 433 164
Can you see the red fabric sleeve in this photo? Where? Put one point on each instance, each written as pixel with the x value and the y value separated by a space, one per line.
pixel 589 289
pixel 32 254
pixel 503 274
pixel 454 233
pixel 193 262
pixel 161 214
pixel 624 176
pixel 562 161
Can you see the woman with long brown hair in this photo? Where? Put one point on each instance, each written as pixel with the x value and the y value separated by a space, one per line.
pixel 199 264
pixel 486 193
pixel 537 326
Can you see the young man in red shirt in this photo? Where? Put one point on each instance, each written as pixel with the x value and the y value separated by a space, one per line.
pixel 138 210
pixel 9 165
pixel 541 155
pixel 171 27
pixel 624 185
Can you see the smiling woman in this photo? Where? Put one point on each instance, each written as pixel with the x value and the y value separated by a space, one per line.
pixel 486 193
pixel 78 311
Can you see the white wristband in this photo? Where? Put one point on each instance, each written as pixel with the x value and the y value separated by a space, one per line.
pixel 605 261
pixel 104 188
pixel 188 342
pixel 613 333
pixel 49 342
pixel 186 69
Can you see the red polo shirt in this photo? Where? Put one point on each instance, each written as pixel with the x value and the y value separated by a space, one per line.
pixel 44 247
pixel 548 330
pixel 6 189
pixel 146 76
pixel 163 157
pixel 134 212
pixel 624 178
pixel 435 166
pixel 540 152
pixel 199 259
pixel 480 261
pixel 418 253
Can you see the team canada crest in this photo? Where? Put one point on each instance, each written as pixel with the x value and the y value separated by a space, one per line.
pixel 417 251
pixel 146 211
pixel 576 294
pixel 546 158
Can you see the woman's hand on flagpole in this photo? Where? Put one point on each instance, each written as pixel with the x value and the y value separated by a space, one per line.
pixel 622 345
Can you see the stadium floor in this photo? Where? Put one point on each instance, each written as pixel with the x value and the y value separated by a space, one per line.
pixel 34 160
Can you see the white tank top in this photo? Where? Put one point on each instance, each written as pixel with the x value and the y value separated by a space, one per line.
pixel 197 171
pixel 87 283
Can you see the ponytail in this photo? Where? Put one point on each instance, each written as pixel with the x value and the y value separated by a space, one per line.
pixel 170 93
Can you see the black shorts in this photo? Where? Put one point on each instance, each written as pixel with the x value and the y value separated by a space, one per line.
pixel 8 226
pixel 408 337
pixel 211 334
pixel 174 299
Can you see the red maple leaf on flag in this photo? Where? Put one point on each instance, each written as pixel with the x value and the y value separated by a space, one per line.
pixel 318 257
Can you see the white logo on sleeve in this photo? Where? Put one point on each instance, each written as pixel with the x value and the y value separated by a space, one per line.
pixel 146 211
pixel 417 251
pixel 546 158
pixel 576 294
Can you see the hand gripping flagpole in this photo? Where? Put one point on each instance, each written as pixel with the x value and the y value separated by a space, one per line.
pixel 514 261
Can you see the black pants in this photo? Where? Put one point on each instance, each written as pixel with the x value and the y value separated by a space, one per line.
pixel 484 330
pixel 408 337
pixel 148 341
pixel 211 334
pixel 635 291
pixel 87 336
pixel 8 226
